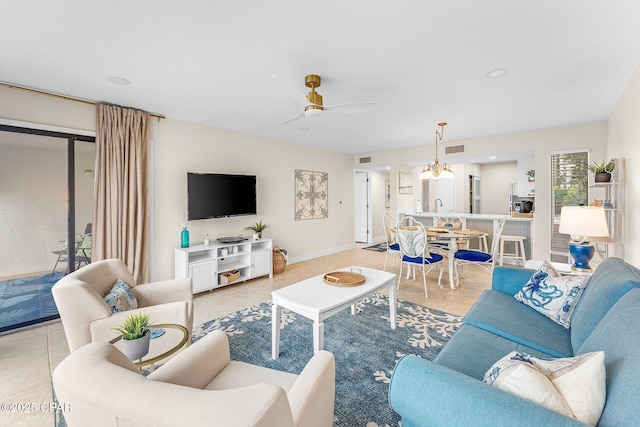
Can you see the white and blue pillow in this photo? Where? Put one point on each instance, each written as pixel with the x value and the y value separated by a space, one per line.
pixel 553 295
pixel 573 386
pixel 121 297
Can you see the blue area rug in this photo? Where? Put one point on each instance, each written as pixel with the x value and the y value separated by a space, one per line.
pixel 27 301
pixel 365 347
pixel 378 247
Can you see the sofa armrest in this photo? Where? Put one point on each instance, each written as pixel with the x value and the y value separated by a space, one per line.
pixel 423 392
pixel 164 291
pixel 510 280
pixel 198 364
pixel 79 305
pixel 101 392
pixel 312 396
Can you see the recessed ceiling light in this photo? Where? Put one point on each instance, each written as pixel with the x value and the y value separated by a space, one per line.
pixel 497 73
pixel 493 157
pixel 118 80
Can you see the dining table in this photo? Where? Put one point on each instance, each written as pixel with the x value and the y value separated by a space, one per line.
pixel 453 236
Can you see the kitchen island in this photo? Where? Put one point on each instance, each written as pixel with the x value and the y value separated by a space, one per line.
pixel 487 223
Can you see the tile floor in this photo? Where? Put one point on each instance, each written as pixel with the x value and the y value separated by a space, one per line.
pixel 28 357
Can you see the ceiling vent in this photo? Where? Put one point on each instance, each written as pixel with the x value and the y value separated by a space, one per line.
pixel 365 159
pixel 454 149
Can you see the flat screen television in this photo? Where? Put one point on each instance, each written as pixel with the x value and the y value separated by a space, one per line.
pixel 214 195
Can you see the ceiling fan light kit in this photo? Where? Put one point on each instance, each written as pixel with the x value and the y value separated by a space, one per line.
pixel 312 102
pixel 315 109
pixel 435 169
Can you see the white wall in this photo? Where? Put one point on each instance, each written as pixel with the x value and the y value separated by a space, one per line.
pixel 624 142
pixel 543 142
pixel 181 146
pixel 494 187
pixel 175 141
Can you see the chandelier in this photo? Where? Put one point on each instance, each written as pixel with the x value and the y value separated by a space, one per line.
pixel 435 169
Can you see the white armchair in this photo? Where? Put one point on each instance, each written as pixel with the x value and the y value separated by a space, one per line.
pixel 86 317
pixel 200 386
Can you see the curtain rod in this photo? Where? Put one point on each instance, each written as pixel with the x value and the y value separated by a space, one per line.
pixel 68 98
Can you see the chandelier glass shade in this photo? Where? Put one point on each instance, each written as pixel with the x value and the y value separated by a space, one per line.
pixel 435 169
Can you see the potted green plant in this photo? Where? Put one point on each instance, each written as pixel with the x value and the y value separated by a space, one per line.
pixel 136 333
pixel 257 228
pixel 602 171
pixel 532 175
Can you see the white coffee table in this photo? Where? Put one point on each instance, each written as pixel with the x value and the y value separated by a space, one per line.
pixel 316 300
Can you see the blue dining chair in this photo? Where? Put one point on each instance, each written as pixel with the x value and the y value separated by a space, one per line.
pixel 486 260
pixel 414 247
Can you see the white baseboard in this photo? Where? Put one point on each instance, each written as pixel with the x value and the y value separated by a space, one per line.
pixel 312 255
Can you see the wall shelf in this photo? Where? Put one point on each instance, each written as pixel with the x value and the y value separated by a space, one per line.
pixel 610 192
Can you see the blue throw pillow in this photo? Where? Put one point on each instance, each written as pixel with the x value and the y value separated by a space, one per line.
pixel 121 297
pixel 553 295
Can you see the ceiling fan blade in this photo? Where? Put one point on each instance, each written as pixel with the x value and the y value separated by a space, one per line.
pixel 296 117
pixel 352 107
pixel 292 91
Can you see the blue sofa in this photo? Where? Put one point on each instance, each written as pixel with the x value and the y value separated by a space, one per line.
pixel 449 391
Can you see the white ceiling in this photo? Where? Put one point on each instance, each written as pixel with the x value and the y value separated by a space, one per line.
pixel 423 61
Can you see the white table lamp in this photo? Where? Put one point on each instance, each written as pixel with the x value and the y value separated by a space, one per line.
pixel 582 222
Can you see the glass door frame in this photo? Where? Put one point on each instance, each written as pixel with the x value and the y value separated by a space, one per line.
pixel 71 179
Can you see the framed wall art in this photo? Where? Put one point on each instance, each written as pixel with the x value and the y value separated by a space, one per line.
pixel 405 183
pixel 311 194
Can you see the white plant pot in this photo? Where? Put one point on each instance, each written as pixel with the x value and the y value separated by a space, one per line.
pixel 138 348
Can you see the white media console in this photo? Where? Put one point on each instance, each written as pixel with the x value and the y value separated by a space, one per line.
pixel 221 264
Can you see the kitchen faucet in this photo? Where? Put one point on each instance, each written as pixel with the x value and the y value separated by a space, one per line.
pixel 436 208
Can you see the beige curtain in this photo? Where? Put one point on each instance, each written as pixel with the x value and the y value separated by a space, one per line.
pixel 121 207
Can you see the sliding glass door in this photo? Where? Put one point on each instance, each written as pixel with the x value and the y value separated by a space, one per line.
pixel 46 197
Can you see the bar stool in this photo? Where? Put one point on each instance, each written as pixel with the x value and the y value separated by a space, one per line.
pixel 518 253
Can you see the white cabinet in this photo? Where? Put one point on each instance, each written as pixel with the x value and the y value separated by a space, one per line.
pixel 261 263
pixel 206 265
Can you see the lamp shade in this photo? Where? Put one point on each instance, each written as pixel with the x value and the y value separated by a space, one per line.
pixel 583 221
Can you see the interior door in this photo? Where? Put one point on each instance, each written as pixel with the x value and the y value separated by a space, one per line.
pixel 362 207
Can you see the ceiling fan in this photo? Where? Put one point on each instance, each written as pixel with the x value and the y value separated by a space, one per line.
pixel 312 102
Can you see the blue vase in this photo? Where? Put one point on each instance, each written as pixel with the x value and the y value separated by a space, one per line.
pixel 184 238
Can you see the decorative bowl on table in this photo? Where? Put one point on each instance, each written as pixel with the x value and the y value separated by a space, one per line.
pixel 343 279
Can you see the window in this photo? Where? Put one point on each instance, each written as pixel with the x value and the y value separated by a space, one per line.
pixel 569 187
